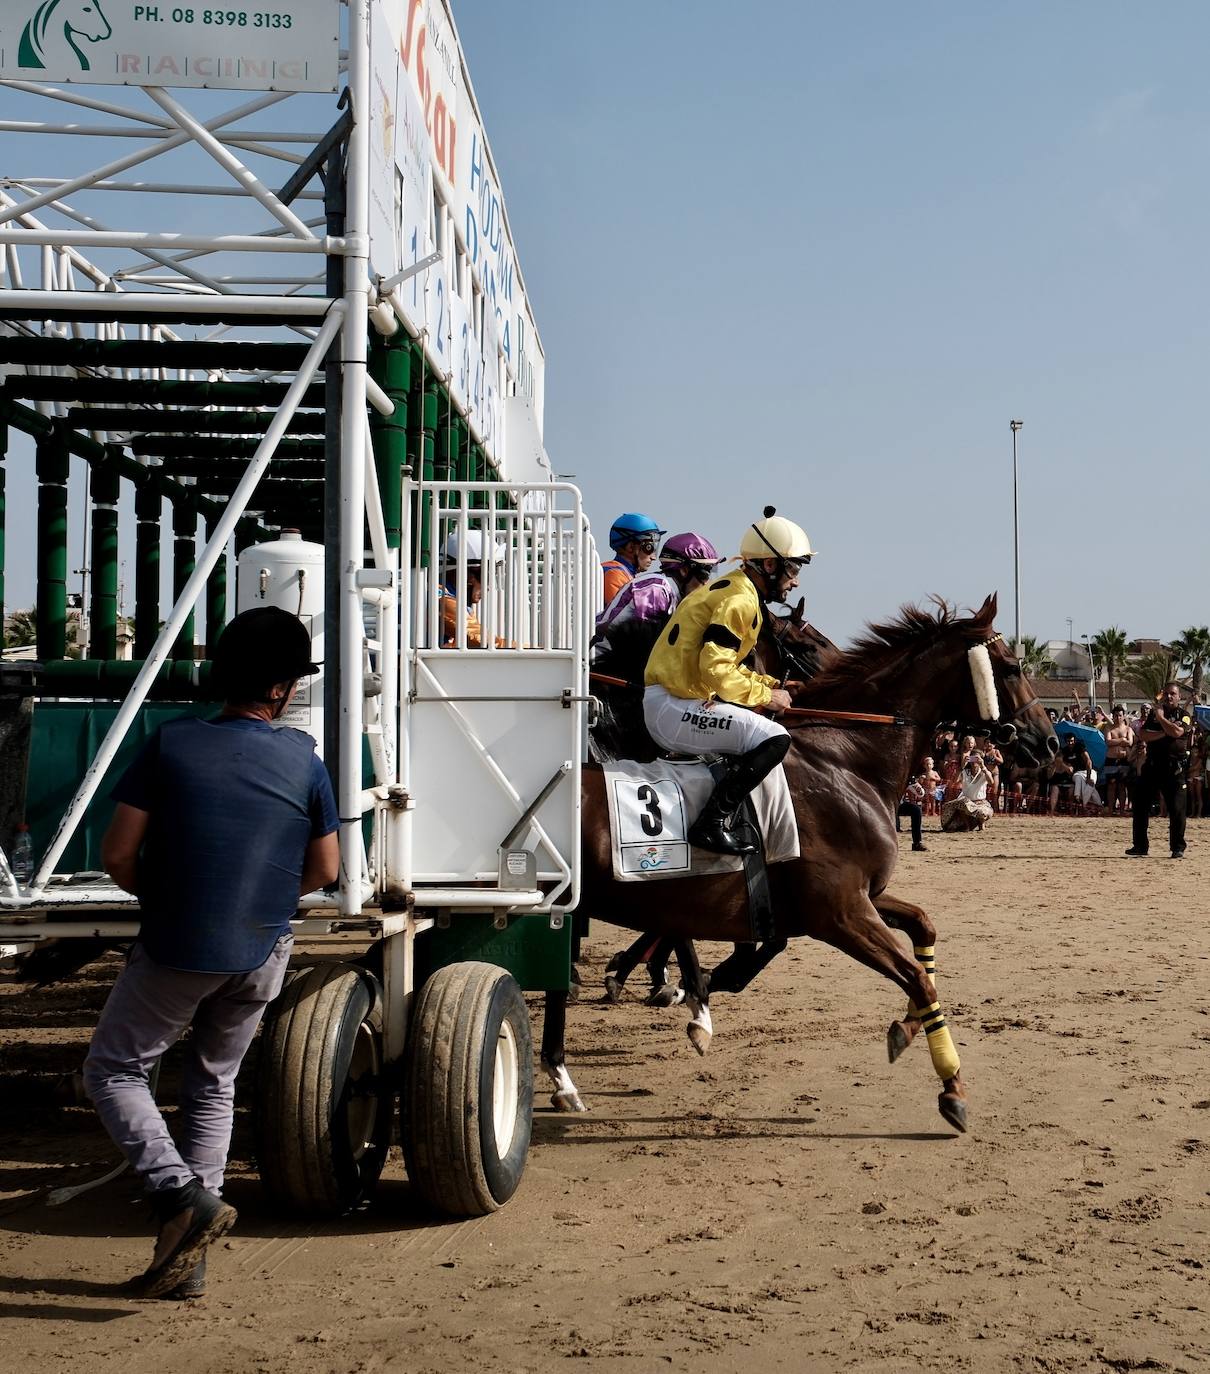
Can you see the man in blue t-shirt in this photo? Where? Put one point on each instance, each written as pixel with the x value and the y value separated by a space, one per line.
pixel 220 826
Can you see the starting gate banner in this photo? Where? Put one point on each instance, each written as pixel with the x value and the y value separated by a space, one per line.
pixel 273 45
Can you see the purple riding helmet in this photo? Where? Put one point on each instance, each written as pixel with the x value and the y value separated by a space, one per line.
pixel 690 551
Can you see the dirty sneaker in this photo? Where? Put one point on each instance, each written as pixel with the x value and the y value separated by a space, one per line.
pixel 190 1218
pixel 193 1285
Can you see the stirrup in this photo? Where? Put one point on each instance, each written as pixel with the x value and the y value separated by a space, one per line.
pixel 715 835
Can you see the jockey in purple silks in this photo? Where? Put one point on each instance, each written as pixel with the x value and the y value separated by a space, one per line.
pixel 686 563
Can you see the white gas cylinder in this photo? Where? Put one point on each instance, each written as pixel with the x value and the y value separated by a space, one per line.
pixel 289 572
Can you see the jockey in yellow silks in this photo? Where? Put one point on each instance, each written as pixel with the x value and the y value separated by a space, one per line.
pixel 700 698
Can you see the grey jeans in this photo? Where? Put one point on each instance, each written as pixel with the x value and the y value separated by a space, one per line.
pixel 148 1010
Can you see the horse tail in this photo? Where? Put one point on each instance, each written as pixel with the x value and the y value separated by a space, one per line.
pixel 32 50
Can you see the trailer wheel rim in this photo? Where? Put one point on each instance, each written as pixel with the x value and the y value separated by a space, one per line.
pixel 506 1086
pixel 363 1092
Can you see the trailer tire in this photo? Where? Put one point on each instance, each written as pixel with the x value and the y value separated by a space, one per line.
pixel 323 1117
pixel 467 1104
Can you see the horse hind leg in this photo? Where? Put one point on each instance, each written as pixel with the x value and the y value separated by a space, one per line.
pixel 743 964
pixel 624 963
pixel 566 1097
pixel 664 993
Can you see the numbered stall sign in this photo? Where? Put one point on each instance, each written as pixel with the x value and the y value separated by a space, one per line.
pixel 651 826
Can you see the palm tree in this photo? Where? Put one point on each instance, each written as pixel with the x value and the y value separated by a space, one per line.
pixel 1191 649
pixel 20 628
pixel 1109 648
pixel 1035 661
pixel 1152 672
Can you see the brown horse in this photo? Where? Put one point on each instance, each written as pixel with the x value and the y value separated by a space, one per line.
pixel 845 782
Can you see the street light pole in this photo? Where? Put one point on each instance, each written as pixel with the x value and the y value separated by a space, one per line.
pixel 1016 425
pixel 1092 673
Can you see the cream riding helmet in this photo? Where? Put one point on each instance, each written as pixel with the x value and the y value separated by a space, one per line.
pixel 775 537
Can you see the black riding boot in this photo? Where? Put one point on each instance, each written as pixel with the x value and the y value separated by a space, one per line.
pixel 712 830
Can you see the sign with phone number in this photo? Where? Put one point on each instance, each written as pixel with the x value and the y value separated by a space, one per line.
pixel 286 45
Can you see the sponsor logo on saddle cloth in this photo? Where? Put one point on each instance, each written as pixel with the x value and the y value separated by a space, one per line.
pixel 652 806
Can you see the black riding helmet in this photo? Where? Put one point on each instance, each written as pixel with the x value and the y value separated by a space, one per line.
pixel 258 648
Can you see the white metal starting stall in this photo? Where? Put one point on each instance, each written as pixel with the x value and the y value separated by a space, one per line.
pixel 211 344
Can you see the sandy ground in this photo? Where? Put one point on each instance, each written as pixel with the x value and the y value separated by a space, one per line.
pixel 790 1201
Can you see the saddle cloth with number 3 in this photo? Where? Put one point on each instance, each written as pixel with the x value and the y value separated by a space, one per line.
pixel 652 806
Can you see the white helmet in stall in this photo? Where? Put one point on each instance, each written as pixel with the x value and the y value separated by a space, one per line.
pixel 474 548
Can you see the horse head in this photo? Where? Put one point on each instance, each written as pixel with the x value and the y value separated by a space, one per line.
pixel 934 667
pixel 791 647
pixel 58 22
pixel 997 695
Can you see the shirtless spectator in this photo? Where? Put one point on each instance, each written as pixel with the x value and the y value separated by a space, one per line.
pixel 932 786
pixel 1119 743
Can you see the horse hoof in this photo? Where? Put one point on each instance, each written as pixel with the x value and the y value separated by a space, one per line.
pixel 567 1102
pixel 953 1109
pixel 613 989
pixel 667 996
pixel 897 1040
pixel 699 1037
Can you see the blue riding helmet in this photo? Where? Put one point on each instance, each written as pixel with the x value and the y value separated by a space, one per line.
pixel 632 525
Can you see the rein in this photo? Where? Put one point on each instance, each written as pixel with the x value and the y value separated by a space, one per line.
pixel 802 714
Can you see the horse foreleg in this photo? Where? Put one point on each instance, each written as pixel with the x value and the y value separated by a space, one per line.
pixel 861 932
pixel 697 997
pixel 565 1097
pixel 917 926
pixel 740 967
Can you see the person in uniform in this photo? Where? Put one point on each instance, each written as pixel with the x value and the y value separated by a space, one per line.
pixel 686 563
pixel 474 589
pixel 634 539
pixel 1166 733
pixel 220 826
pixel 699 696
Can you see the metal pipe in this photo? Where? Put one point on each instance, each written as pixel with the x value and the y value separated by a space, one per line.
pixel 353 440
pixel 176 617
pixel 103 609
pixel 184 562
pixel 135 239
pixel 216 593
pixel 53 465
pixel 1017 646
pixel 166 188
pixel 38 305
pixel 148 505
pixel 229 162
pixel 145 154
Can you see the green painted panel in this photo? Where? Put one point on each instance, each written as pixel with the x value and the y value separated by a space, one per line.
pixel 65 739
pixel 538 958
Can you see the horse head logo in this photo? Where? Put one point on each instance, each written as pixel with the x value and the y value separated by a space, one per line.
pixel 53 35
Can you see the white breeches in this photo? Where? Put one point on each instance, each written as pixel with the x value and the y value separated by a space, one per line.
pixel 704 727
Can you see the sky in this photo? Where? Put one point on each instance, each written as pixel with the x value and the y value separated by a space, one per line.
pixel 818 256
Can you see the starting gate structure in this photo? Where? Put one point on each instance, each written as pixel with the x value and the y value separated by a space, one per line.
pixel 303 352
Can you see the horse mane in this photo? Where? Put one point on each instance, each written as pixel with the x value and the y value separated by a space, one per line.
pixel 883 645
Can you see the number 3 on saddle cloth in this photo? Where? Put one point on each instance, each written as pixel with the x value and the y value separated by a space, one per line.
pixel 652 806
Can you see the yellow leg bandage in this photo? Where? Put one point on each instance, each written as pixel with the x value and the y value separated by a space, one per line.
pixel 926 957
pixel 941 1046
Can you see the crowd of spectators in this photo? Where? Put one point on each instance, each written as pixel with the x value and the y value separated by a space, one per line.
pixel 966 780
